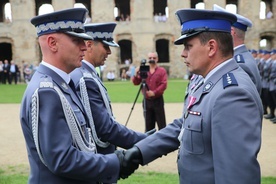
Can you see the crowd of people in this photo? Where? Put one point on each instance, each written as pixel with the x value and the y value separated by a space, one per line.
pixel 12 73
pixel 266 62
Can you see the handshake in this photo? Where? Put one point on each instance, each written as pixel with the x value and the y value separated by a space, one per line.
pixel 129 161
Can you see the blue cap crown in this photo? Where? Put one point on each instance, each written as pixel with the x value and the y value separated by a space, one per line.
pixel 194 21
pixel 266 52
pixel 241 23
pixel 69 21
pixel 102 32
pixel 253 51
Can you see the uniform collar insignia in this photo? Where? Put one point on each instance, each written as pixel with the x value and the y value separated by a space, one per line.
pixel 65 86
pixel 208 86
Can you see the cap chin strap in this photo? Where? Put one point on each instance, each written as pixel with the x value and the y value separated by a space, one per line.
pixel 78 136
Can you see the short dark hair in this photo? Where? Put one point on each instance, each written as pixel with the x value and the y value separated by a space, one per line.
pixel 225 41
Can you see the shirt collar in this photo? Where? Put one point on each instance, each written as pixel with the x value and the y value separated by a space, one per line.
pixel 90 65
pixel 238 46
pixel 216 69
pixel 62 74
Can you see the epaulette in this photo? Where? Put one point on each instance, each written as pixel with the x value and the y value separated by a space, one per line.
pixel 86 74
pixel 239 58
pixel 229 80
pixel 46 82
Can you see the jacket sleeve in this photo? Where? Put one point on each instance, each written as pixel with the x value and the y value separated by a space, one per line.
pixel 136 80
pixel 108 129
pixel 160 143
pixel 162 86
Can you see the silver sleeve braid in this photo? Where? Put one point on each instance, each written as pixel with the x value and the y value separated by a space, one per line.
pixel 85 100
pixel 72 122
pixel 34 115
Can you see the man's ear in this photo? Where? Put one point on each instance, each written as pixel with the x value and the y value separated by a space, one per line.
pixel 212 46
pixel 88 44
pixel 52 43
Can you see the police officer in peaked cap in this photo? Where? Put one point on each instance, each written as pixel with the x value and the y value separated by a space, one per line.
pixel 54 121
pixel 217 132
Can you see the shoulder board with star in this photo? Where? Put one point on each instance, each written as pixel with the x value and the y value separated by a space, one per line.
pixel 239 58
pixel 229 80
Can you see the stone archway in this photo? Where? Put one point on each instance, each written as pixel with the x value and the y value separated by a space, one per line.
pixel 6 50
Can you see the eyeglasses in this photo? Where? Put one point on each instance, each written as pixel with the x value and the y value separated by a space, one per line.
pixel 152 57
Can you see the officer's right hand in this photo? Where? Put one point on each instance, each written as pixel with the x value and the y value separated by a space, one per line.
pixel 133 155
pixel 127 166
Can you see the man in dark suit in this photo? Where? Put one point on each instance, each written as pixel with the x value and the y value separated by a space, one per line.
pixel 218 132
pixel 13 72
pixel 54 122
pixel 6 71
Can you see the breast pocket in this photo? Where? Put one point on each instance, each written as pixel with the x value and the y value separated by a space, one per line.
pixel 192 136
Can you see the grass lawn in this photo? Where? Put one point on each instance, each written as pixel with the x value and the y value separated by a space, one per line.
pixel 119 91
pixel 136 178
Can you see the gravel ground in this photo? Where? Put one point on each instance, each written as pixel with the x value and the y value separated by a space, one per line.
pixel 13 151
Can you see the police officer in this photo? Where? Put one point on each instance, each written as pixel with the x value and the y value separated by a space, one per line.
pixel 241 54
pixel 272 80
pixel 218 132
pixel 54 122
pixel 267 96
pixel 94 94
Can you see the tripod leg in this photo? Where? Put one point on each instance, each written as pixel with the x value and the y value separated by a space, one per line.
pixel 133 104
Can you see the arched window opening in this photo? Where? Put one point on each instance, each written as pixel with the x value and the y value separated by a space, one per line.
pixel 266 42
pixel 123 10
pixel 263 43
pixel 266 11
pixel 85 4
pixel 45 8
pixel 262 10
pixel 162 48
pixel 231 8
pixel 160 10
pixel 197 4
pixel 3 12
pixel 6 51
pixel 8 14
pixel 88 15
pixel 200 6
pixel 125 51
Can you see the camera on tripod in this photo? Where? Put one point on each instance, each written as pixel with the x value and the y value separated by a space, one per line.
pixel 144 69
